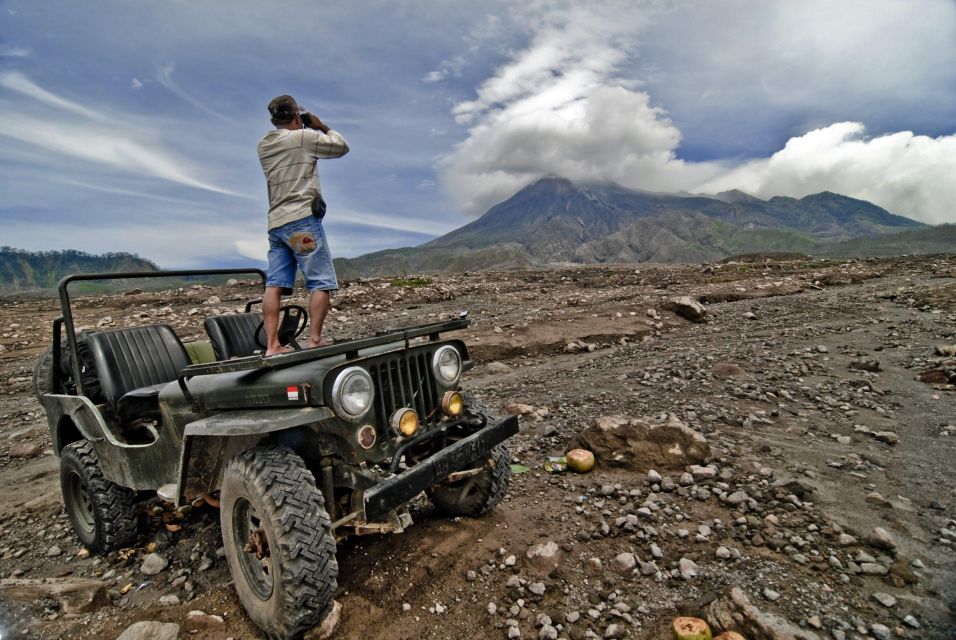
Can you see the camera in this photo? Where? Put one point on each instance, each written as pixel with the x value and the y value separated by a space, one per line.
pixel 306 120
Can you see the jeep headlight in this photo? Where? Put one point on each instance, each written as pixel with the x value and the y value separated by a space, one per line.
pixel 352 393
pixel 446 363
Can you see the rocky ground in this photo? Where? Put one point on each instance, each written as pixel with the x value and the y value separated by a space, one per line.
pixel 822 504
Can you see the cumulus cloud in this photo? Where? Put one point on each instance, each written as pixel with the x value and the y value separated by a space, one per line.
pixel 572 104
pixel 905 173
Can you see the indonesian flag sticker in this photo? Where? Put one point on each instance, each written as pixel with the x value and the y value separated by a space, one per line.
pixel 293 392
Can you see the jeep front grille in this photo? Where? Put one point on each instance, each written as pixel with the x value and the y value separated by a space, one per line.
pixel 407 381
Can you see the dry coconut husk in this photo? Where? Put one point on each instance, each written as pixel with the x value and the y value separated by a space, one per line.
pixel 580 460
pixel 686 628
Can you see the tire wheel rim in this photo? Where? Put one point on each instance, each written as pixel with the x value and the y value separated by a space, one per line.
pixel 81 505
pixel 253 543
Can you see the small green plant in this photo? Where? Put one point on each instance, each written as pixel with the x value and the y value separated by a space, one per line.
pixel 411 282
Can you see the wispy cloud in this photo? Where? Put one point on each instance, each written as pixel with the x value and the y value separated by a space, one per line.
pixel 16 81
pixel 100 139
pixel 165 77
pixel 11 51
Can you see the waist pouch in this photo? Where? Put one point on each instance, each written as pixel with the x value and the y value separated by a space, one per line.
pixel 318 207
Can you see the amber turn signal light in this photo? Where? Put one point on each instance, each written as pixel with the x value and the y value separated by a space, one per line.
pixel 452 404
pixel 405 422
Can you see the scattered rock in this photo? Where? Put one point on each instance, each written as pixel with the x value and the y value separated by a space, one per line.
pixel 640 445
pixel 75 595
pixel 150 630
pixel 518 409
pixel 733 611
pixel 497 368
pixel 153 563
pixel 870 365
pixel 687 307
pixel 727 370
pixel 885 599
pixel 545 557
pixel 688 568
pixel 881 539
pixel 889 437
pixel 25 451
pixel 623 563
pixel 201 620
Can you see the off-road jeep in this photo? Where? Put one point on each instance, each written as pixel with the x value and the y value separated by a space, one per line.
pixel 303 448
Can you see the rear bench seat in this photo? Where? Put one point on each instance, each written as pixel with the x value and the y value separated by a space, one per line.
pixel 134 364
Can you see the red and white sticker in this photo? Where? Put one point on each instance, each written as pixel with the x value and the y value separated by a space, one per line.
pixel 293 392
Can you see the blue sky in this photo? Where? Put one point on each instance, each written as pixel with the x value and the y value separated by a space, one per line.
pixel 132 126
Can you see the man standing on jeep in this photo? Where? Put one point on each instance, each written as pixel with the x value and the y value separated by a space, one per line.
pixel 296 208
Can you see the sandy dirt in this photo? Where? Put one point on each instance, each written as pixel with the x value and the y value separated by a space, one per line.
pixel 792 425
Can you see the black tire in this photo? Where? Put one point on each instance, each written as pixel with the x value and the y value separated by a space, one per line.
pixel 291 588
pixel 43 374
pixel 477 495
pixel 103 513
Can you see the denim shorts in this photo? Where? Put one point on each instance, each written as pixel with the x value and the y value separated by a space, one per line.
pixel 300 243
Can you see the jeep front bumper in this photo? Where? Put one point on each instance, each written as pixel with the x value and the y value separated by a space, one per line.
pixel 397 490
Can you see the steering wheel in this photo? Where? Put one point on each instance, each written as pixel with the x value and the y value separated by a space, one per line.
pixel 292 321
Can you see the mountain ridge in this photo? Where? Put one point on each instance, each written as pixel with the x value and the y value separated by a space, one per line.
pixel 22 270
pixel 555 220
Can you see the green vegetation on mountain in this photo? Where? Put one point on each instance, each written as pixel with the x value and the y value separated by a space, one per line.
pixel 41 270
pixel 939 239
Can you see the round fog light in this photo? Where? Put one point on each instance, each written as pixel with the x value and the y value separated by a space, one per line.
pixel 452 404
pixel 366 436
pixel 405 422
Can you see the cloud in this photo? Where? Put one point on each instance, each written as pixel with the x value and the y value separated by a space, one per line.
pixel 136 84
pixel 447 68
pixel 107 141
pixel 11 51
pixel 573 102
pixel 908 174
pixel 16 81
pixel 165 77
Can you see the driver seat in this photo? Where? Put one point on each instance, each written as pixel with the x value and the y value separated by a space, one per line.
pixel 234 335
pixel 133 365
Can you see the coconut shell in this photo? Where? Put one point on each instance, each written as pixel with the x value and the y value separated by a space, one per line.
pixel 580 460
pixel 686 628
pixel 730 635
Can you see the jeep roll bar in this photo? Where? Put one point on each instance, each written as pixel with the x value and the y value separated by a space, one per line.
pixel 67 318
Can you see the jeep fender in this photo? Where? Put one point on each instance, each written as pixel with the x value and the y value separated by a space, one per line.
pixel 209 443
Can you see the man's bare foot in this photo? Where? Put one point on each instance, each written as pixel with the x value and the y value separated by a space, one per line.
pixel 269 353
pixel 323 342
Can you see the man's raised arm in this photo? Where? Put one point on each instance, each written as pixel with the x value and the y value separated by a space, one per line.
pixel 327 143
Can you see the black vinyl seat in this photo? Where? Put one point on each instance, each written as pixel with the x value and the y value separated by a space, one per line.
pixel 134 364
pixel 233 336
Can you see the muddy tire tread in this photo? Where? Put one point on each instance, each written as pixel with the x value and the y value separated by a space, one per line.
pixel 116 523
pixel 309 567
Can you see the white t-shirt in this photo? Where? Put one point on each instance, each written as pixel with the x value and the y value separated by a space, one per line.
pixel 288 160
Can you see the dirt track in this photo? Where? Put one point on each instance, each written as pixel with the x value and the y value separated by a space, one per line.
pixel 772 428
